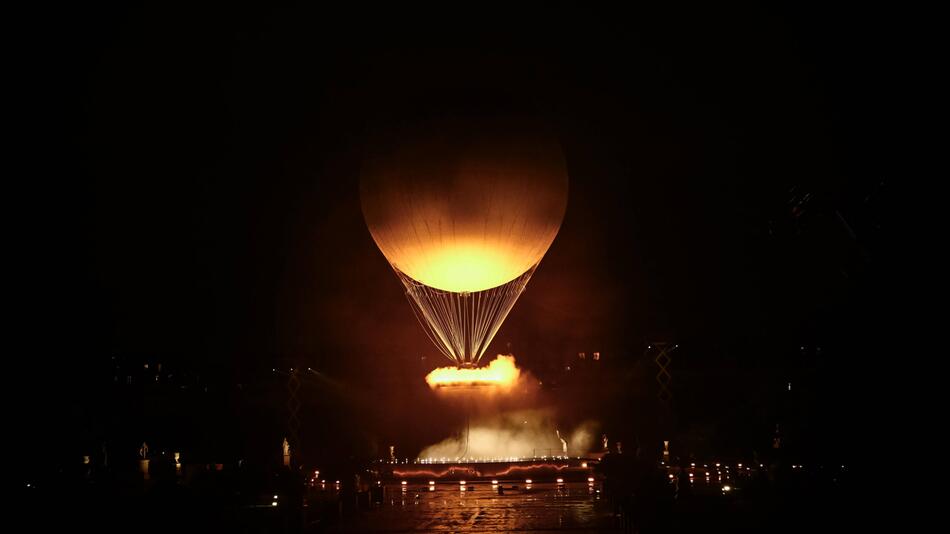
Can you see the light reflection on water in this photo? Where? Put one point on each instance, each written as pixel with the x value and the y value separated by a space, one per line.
pixel 481 508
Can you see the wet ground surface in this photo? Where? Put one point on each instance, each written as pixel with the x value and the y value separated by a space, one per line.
pixel 546 507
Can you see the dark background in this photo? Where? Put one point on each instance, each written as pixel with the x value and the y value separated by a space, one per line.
pixel 188 195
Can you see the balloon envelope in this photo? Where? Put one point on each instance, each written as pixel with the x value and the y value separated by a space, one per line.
pixel 464 205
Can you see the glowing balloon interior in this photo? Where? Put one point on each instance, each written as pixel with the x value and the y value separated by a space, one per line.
pixel 464 210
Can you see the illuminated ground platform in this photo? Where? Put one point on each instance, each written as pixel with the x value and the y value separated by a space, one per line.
pixel 543 468
pixel 700 498
pixel 546 507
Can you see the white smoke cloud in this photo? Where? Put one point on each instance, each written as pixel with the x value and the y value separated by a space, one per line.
pixel 520 433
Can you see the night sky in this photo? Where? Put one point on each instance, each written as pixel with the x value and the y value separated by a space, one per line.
pixel 191 192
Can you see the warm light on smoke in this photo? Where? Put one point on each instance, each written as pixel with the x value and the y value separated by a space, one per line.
pixel 501 372
pixel 509 435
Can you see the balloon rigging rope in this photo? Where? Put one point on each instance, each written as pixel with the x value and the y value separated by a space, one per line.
pixel 462 325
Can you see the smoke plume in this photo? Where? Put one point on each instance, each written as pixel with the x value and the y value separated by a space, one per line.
pixel 523 433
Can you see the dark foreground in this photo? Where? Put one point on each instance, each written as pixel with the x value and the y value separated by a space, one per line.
pixel 480 508
pixel 657 502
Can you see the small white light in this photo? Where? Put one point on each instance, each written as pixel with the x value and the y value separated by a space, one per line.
pixel 403 482
pixel 527 481
pixel 275 497
pixel 273 503
pixel 432 482
pixel 590 479
pixel 727 488
pixel 560 481
pixel 461 482
pixel 494 482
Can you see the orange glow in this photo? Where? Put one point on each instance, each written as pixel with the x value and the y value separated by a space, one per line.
pixel 464 204
pixel 470 266
pixel 501 372
pixel 472 472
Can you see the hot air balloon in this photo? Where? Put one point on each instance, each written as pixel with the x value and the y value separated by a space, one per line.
pixel 464 209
